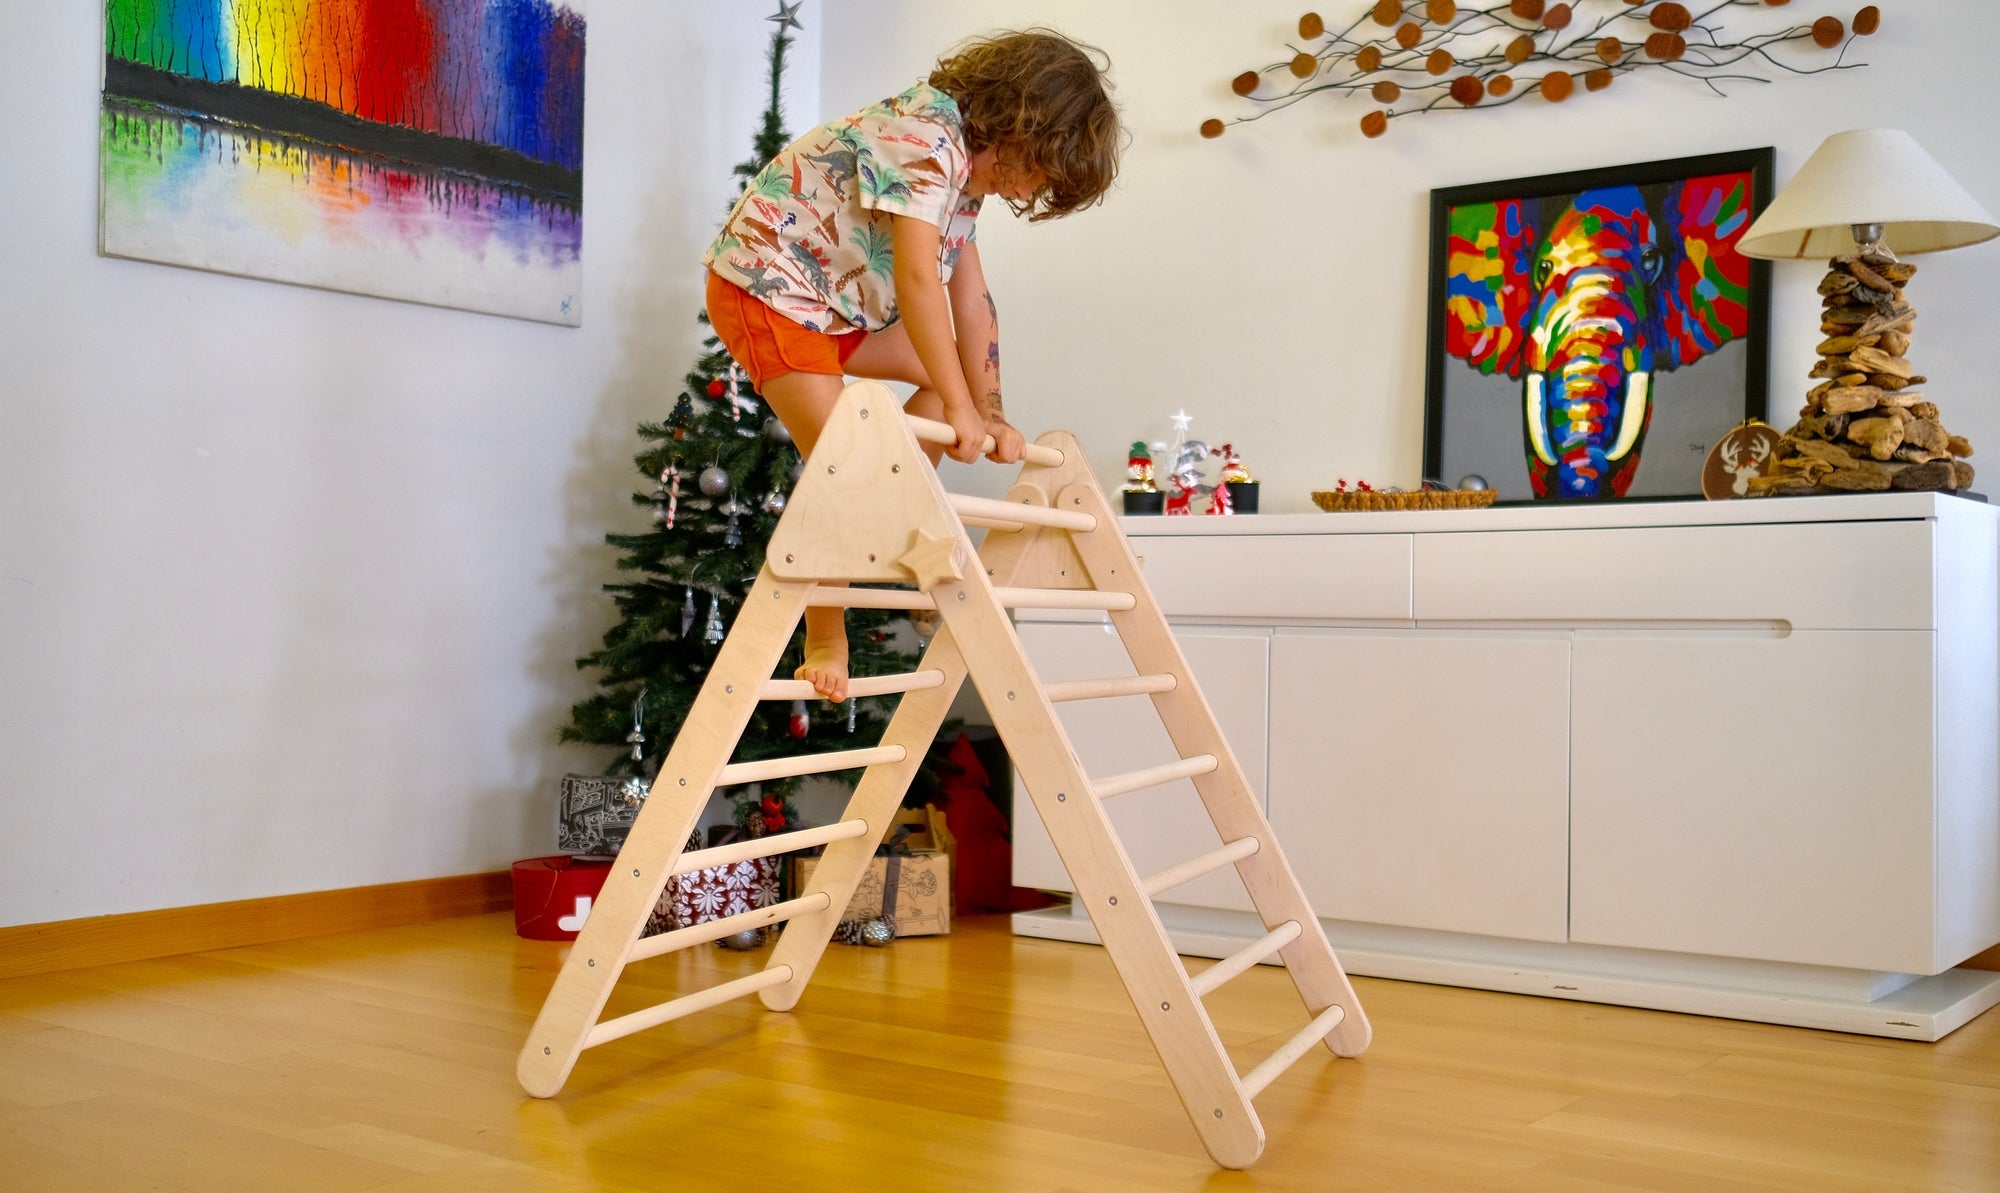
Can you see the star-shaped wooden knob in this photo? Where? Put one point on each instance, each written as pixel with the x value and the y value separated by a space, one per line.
pixel 933 561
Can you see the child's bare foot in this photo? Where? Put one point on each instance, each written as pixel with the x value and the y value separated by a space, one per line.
pixel 825 669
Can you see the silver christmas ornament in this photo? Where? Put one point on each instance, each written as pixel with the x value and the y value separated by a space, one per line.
pixel 777 431
pixel 713 634
pixel 799 469
pixel 687 614
pixel 713 481
pixel 774 502
pixel 637 738
pixel 877 932
pixel 733 535
pixel 743 941
pixel 1473 483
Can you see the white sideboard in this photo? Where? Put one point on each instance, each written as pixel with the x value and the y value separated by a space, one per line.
pixel 1732 758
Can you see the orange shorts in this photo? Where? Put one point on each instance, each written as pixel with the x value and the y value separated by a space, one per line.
pixel 766 343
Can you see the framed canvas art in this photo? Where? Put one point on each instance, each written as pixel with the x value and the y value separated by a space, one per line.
pixel 427 150
pixel 1591 335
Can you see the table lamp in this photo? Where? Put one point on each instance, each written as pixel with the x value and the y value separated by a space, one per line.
pixel 1860 200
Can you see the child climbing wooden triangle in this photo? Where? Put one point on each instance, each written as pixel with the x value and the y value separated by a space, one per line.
pixel 869 509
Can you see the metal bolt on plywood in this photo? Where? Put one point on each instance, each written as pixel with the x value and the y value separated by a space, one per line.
pixel 870 510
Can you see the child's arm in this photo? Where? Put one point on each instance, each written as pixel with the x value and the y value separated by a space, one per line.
pixel 920 299
pixel 978 324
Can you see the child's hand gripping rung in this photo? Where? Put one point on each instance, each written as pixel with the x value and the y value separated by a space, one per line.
pixel 937 432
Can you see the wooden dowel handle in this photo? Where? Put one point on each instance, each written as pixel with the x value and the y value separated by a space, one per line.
pixel 937 432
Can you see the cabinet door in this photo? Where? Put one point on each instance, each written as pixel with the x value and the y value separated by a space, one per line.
pixel 1161 825
pixel 1758 797
pixel 1419 777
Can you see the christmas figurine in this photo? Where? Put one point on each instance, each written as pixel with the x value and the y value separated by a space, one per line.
pixel 1235 489
pixel 1139 469
pixel 1233 471
pixel 1140 494
pixel 1186 478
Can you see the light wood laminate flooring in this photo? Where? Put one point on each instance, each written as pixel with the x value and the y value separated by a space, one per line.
pixel 384 1060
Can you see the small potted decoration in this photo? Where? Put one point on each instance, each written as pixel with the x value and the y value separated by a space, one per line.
pixel 1238 489
pixel 1141 495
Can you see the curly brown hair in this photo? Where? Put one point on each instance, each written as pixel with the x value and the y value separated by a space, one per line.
pixel 1040 98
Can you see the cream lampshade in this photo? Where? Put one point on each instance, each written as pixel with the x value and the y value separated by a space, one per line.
pixel 1878 177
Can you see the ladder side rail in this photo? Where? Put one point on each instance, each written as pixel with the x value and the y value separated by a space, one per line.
pixel 1106 883
pixel 1225 792
pixel 680 791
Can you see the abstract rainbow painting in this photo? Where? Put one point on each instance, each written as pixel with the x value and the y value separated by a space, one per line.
pixel 425 150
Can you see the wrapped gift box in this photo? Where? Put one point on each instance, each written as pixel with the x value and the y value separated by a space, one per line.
pixel 711 894
pixel 553 895
pixel 595 812
pixel 918 884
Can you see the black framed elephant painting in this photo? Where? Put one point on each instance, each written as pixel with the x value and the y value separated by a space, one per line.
pixel 1593 334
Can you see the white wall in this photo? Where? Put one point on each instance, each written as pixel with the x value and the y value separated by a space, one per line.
pixel 291 582
pixel 1271 282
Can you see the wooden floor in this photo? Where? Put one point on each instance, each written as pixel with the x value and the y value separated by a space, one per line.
pixel 978 1061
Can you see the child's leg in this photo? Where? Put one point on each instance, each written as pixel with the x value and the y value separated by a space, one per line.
pixel 888 355
pixel 802 401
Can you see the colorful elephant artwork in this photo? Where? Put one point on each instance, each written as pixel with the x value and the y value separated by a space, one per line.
pixel 1587 300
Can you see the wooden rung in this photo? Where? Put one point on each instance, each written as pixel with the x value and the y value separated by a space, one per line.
pixel 1227 968
pixel 729 925
pixel 1195 867
pixel 770 846
pixel 860 685
pixel 1186 768
pixel 1021 512
pixel 1064 598
pixel 806 764
pixel 667 1012
pixel 1099 689
pixel 1312 1033
pixel 1008 525
pixel 825 596
pixel 937 432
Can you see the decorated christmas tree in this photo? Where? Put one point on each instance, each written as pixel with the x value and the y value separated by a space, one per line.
pixel 718 470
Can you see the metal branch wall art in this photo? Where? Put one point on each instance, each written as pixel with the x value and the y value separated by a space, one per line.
pixel 1413 56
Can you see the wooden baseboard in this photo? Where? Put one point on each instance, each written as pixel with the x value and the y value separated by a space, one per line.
pixel 108 939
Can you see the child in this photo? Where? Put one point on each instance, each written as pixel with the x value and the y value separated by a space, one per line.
pixel 852 251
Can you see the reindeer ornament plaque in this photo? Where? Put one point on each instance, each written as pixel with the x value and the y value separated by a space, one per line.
pixel 1737 459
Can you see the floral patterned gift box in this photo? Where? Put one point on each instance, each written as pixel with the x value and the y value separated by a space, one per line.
pixel 714 893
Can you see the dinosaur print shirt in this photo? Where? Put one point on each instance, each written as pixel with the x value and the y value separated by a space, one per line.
pixel 811 235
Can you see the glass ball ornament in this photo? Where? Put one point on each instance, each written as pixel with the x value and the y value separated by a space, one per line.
pixel 776 430
pixel 877 932
pixel 1473 483
pixel 713 481
pixel 744 941
pixel 774 502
